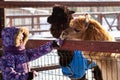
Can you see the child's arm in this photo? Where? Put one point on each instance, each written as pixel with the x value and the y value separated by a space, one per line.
pixel 42 50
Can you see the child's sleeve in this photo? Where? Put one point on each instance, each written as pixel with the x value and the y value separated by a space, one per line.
pixel 40 51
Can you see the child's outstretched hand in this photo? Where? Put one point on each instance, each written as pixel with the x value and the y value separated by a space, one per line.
pixel 58 42
pixel 35 74
pixel 32 75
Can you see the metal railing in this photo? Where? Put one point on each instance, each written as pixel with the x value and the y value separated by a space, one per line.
pixel 102 17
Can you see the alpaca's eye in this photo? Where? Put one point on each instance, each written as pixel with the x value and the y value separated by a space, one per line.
pixel 76 30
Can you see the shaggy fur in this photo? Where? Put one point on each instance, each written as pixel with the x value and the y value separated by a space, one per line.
pixel 21 36
pixel 59 21
pixel 84 28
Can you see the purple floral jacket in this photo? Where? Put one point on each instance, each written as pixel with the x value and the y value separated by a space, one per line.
pixel 14 62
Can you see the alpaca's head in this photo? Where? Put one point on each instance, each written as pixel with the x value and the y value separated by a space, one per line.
pixel 59 19
pixel 85 28
pixel 60 14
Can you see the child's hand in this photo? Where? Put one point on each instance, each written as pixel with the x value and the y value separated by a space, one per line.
pixel 58 43
pixel 31 75
pixel 35 73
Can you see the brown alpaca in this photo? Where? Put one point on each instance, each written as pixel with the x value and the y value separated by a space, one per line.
pixel 86 29
pixel 59 21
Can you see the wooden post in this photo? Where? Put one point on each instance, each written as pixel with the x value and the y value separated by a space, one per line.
pixel 38 22
pixel 2 20
pixel 2 25
pixel 100 16
pixel 32 24
pixel 118 21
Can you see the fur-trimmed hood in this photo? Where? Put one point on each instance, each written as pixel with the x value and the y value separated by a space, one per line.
pixel 12 36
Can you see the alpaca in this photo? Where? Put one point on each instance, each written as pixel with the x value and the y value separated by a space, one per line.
pixel 59 20
pixel 84 28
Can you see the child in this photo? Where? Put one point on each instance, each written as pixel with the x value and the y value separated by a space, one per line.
pixel 15 58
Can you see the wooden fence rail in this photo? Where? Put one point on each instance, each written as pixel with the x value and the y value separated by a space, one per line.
pixel 14 4
pixel 97 46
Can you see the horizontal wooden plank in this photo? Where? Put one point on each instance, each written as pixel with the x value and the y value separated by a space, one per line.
pixel 96 46
pixel 14 4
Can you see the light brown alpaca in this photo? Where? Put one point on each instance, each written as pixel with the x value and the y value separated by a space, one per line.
pixel 86 29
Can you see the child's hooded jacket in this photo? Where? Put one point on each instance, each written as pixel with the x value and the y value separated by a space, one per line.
pixel 14 62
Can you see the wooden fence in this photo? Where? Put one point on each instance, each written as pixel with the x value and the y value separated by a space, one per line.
pixel 96 46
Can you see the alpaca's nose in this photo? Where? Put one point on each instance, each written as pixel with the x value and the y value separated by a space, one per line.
pixel 64 35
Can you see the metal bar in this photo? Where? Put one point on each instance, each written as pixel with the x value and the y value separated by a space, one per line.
pixel 49 67
pixel 26 16
pixel 39 31
pixel 15 4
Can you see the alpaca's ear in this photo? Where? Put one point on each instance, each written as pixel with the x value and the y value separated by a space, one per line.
pixel 49 20
pixel 87 18
pixel 22 33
